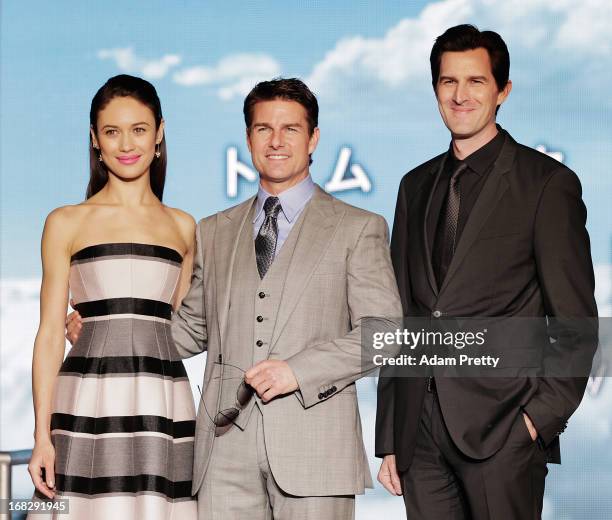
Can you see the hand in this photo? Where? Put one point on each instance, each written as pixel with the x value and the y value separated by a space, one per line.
pixel 43 456
pixel 388 477
pixel 74 323
pixel 532 430
pixel 271 378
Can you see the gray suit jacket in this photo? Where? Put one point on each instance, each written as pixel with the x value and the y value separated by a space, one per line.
pixel 340 272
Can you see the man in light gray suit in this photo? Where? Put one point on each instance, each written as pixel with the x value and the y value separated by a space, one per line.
pixel 281 284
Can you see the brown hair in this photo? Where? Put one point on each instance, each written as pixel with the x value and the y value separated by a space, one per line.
pixel 141 90
pixel 290 89
pixel 467 37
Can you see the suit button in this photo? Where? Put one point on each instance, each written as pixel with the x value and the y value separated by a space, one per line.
pixel 436 314
pixel 262 295
pixel 259 343
pixel 321 396
pixel 333 389
pixel 259 319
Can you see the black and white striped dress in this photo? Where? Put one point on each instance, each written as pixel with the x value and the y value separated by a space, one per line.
pixel 124 419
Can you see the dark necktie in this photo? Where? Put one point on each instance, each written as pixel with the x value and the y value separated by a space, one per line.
pixel 265 242
pixel 446 232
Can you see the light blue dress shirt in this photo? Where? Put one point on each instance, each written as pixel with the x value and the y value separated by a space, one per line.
pixel 292 202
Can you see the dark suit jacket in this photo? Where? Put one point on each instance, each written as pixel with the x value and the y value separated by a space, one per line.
pixel 524 252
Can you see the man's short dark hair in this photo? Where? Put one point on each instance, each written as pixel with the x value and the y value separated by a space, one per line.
pixel 465 38
pixel 290 89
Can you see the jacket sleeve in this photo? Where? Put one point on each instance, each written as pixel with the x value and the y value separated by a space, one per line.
pixel 189 322
pixel 385 398
pixel 565 273
pixel 371 293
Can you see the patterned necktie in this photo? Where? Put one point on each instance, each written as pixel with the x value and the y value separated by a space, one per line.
pixel 265 242
pixel 446 233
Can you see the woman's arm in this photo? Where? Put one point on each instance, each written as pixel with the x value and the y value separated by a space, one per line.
pixel 49 344
pixel 187 228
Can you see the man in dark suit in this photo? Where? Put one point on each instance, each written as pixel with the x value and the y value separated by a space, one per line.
pixel 488 228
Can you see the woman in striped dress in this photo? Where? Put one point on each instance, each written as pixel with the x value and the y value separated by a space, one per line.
pixel 115 419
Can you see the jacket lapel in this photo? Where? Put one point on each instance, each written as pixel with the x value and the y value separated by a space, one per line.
pixel 229 227
pixel 495 186
pixel 321 220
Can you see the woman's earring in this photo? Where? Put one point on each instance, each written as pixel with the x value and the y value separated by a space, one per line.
pixel 99 153
pixel 157 152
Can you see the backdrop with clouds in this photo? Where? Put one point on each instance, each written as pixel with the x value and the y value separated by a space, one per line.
pixel 368 64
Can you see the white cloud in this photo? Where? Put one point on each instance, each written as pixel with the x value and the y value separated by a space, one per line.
pixel 233 75
pixel 559 30
pixel 587 28
pixel 127 61
pixel 561 27
pixel 401 54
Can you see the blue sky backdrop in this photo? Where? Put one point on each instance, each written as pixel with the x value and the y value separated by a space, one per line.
pixel 367 62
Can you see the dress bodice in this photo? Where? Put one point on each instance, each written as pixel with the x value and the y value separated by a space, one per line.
pixel 124 278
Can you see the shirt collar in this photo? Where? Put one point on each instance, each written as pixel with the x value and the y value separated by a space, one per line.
pixel 292 200
pixel 482 159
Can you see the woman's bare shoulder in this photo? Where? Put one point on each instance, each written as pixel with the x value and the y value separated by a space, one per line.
pixel 183 220
pixel 64 223
pixel 70 215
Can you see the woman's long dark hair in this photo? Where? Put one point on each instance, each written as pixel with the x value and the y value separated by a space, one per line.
pixel 141 90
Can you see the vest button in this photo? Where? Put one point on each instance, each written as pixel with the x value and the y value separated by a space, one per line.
pixel 436 314
pixel 259 319
pixel 262 295
pixel 259 343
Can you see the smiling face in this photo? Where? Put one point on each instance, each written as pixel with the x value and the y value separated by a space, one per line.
pixel 126 137
pixel 468 95
pixel 280 143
